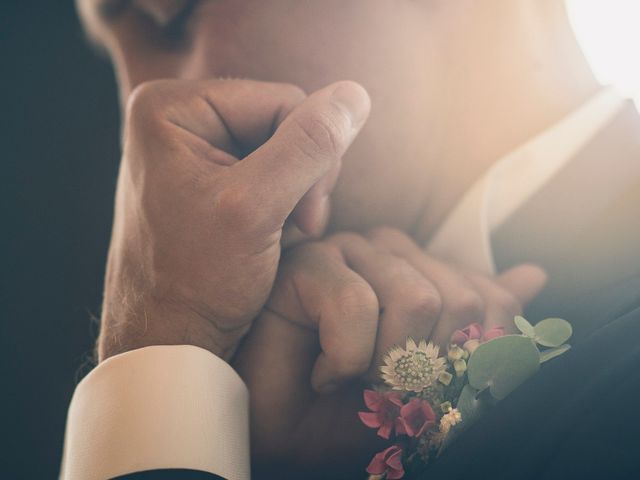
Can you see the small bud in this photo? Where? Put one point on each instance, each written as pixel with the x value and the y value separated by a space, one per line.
pixel 446 407
pixel 455 353
pixel 471 345
pixel 460 367
pixel 445 378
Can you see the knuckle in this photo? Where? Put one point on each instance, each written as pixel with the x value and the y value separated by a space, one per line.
pixel 147 101
pixel 467 305
pixel 357 302
pixel 322 137
pixel 424 304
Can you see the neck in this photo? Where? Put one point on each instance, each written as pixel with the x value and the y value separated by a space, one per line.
pixel 518 71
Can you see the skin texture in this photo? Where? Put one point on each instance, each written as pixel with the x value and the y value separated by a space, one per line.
pixel 453 86
pixel 189 263
pixel 337 307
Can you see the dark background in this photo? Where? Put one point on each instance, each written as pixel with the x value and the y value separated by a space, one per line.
pixel 59 142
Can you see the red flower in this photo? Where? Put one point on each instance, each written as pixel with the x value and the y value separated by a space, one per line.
pixel 475 332
pixel 415 417
pixel 384 407
pixel 387 462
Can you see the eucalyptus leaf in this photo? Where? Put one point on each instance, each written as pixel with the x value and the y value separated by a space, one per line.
pixel 471 408
pixel 502 364
pixel 553 353
pixel 552 332
pixel 525 327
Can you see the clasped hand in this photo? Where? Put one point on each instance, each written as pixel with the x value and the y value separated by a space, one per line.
pixel 211 174
pixel 337 307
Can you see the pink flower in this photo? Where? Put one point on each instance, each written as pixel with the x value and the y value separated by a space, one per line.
pixel 387 462
pixel 384 407
pixel 475 332
pixel 492 333
pixel 415 417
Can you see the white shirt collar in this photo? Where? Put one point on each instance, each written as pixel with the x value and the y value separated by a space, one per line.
pixel 464 237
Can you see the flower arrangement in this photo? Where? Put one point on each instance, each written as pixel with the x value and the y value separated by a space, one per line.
pixel 426 398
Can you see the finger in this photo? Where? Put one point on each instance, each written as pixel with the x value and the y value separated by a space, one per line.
pixel 409 303
pixel 304 148
pixel 525 282
pixel 501 306
pixel 318 291
pixel 285 353
pixel 461 303
pixel 232 116
pixel 247 111
pixel 311 215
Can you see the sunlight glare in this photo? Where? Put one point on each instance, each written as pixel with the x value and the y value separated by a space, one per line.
pixel 609 32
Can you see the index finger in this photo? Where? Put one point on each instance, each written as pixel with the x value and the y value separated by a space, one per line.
pixel 319 291
pixel 524 281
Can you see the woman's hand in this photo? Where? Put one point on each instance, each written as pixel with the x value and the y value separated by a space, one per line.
pixel 337 307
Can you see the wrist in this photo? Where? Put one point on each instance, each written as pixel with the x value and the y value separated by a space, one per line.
pixel 126 327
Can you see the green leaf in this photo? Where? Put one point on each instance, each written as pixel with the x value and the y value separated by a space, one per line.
pixel 471 408
pixel 525 327
pixel 552 332
pixel 502 364
pixel 553 353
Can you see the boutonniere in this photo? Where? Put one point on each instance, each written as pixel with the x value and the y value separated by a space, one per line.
pixel 427 398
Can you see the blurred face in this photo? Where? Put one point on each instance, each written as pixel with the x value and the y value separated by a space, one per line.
pixel 389 46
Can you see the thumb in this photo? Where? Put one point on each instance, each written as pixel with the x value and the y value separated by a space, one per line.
pixel 524 281
pixel 304 148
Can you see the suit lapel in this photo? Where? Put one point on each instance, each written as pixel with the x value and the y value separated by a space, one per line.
pixel 583 227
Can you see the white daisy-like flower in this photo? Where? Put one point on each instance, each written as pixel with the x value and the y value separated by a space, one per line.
pixel 449 420
pixel 413 368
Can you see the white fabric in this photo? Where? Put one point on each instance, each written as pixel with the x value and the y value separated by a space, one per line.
pixel 465 236
pixel 182 407
pixel 158 407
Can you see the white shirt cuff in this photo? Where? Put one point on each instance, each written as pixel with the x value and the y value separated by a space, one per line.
pixel 158 407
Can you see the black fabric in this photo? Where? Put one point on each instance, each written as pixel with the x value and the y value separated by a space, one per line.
pixel 577 418
pixel 173 474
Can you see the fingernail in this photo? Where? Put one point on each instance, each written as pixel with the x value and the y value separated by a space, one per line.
pixel 354 99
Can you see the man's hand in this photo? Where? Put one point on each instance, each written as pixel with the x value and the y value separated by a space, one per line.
pixel 337 307
pixel 210 172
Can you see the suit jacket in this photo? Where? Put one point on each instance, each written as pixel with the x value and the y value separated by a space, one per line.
pixel 577 417
pixel 583 228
